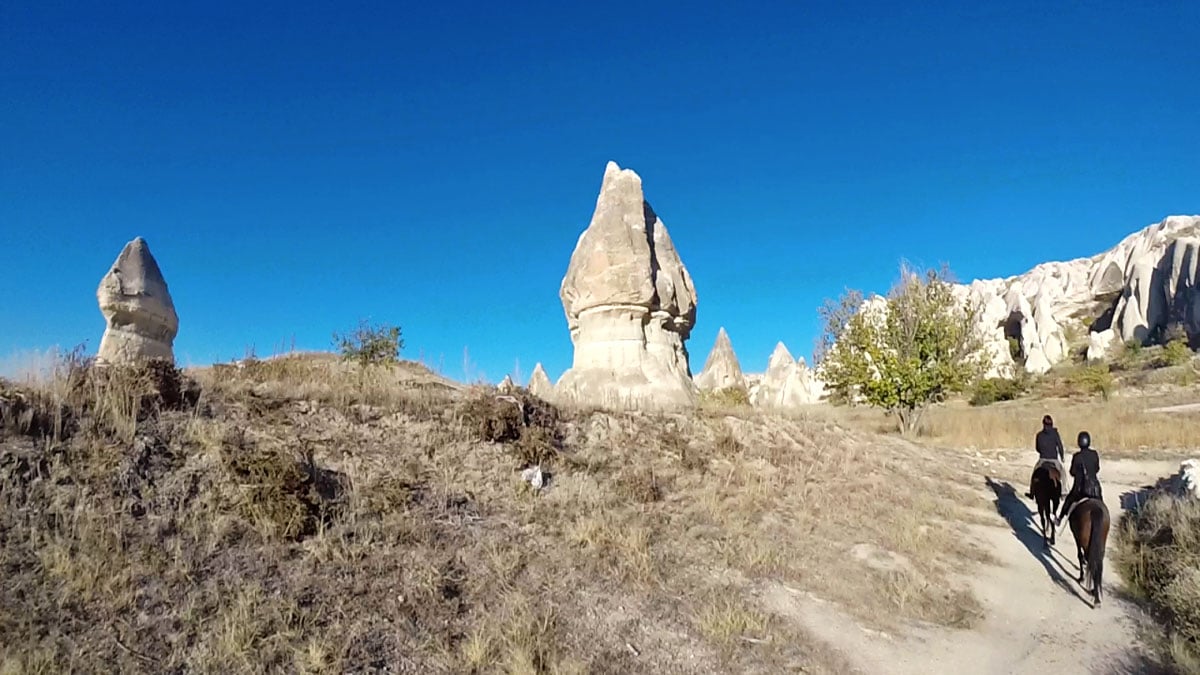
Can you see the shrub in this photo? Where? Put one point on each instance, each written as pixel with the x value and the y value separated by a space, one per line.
pixel 1092 380
pixel 730 397
pixel 1174 353
pixel 1014 349
pixel 994 389
pixel 371 345
pixel 1133 348
pixel 528 424
pixel 1158 554
pixel 905 353
pixel 283 496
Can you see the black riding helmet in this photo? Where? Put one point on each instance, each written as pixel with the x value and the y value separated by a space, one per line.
pixel 1085 440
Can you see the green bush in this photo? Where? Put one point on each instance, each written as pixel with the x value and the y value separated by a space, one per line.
pixel 1091 380
pixel 370 345
pixel 1014 349
pixel 1174 353
pixel 1158 555
pixel 994 389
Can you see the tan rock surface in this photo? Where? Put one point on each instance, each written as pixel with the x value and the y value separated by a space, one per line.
pixel 137 307
pixel 630 306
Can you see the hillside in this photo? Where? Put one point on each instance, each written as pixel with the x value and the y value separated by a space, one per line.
pixel 301 515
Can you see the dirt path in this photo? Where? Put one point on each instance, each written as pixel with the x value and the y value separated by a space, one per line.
pixel 1038 620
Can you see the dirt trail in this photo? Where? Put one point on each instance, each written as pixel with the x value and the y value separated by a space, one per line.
pixel 1038 620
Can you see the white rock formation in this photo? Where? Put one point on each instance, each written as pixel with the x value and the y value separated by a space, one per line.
pixel 506 386
pixel 137 307
pixel 630 306
pixel 1143 286
pixel 540 385
pixel 1189 477
pixel 722 371
pixel 788 382
pixel 1100 344
pixel 1183 483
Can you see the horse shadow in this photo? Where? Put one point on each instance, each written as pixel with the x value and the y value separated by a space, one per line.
pixel 1132 500
pixel 1026 528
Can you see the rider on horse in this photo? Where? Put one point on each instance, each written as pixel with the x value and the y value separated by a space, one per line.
pixel 1050 451
pixel 1085 470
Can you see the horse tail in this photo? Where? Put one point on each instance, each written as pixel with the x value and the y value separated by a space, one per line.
pixel 1097 539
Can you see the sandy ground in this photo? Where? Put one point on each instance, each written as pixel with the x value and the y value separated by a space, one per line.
pixel 1038 619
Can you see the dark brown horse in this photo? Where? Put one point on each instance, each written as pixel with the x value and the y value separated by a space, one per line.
pixel 1047 491
pixel 1089 524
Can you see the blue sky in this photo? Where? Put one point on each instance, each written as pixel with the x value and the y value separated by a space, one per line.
pixel 296 166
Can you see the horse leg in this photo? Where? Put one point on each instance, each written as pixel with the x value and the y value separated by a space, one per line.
pixel 1052 528
pixel 1082 562
pixel 1041 518
pixel 1053 510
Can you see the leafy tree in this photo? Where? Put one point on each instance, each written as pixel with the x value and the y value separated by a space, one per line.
pixel 903 352
pixel 371 345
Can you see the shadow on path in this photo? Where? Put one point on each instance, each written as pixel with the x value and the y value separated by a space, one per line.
pixel 1136 662
pixel 1024 524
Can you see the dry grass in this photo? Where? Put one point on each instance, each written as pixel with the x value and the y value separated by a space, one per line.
pixel 1120 426
pixel 303 515
pixel 1158 554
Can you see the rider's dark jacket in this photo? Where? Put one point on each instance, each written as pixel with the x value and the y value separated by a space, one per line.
pixel 1085 470
pixel 1049 444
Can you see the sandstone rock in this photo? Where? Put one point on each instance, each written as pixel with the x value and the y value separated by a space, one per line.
pixel 788 383
pixel 1189 474
pixel 1184 483
pixel 722 371
pixel 506 386
pixel 1138 289
pixel 1100 344
pixel 630 306
pixel 540 385
pixel 137 307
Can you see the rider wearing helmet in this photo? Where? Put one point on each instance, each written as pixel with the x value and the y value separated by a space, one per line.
pixel 1049 447
pixel 1085 470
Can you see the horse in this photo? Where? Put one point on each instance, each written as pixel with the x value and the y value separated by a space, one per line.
pixel 1047 491
pixel 1089 525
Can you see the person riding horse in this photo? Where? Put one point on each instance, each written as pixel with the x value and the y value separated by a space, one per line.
pixel 1050 451
pixel 1085 472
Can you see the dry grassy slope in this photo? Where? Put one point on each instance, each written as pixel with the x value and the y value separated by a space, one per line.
pixel 307 517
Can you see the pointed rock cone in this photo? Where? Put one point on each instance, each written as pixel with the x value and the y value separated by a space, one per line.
pixel 722 369
pixel 540 385
pixel 137 307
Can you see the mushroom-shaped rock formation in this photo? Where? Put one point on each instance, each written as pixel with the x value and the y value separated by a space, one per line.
pixel 630 306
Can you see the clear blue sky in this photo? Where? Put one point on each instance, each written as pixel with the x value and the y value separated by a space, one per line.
pixel 295 166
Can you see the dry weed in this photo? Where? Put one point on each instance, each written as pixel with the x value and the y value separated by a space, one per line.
pixel 1121 425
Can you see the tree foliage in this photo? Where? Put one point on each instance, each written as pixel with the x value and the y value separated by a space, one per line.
pixel 371 345
pixel 903 352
